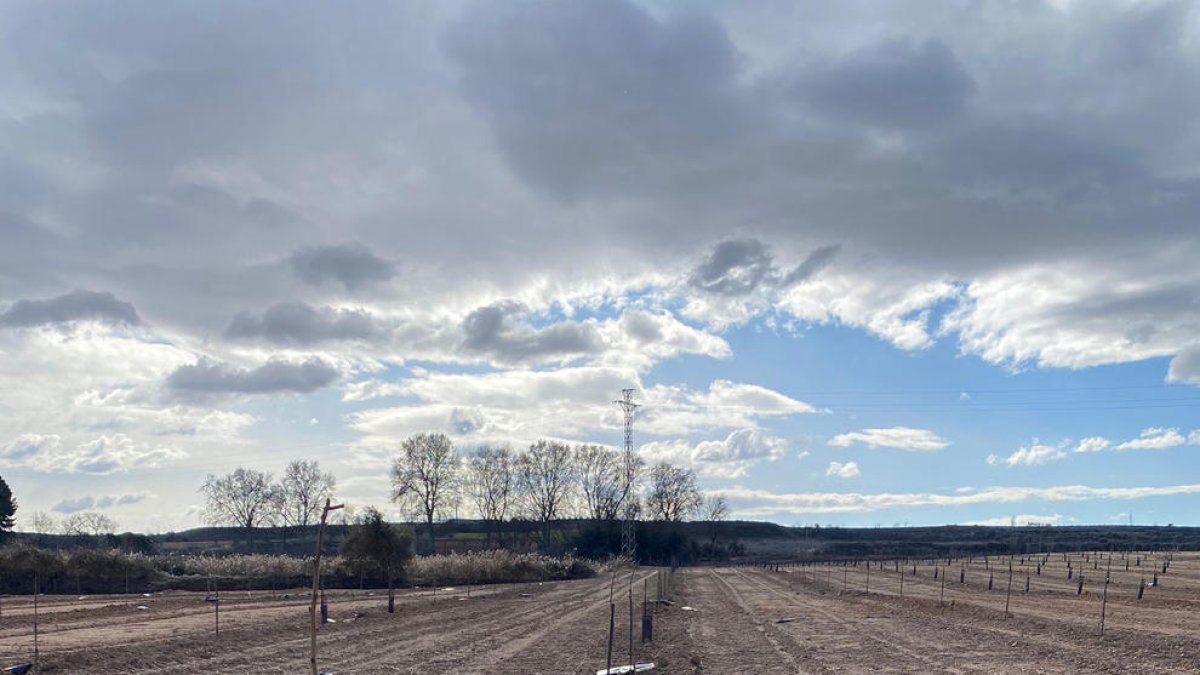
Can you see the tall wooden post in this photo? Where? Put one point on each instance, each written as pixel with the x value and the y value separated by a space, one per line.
pixel 1104 602
pixel 612 619
pixel 631 619
pixel 36 590
pixel 316 580
pixel 1008 590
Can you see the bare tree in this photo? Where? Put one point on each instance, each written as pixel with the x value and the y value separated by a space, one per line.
pixel 43 523
pixel 424 477
pixel 88 523
pixel 601 476
pixel 544 475
pixel 490 484
pixel 673 493
pixel 303 491
pixel 244 498
pixel 714 511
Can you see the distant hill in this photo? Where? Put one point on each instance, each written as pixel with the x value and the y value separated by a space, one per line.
pixel 739 540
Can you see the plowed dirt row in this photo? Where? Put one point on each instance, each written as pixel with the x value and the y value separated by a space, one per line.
pixel 722 620
pixel 530 628
pixel 756 620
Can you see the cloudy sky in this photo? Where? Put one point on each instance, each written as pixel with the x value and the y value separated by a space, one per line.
pixel 865 262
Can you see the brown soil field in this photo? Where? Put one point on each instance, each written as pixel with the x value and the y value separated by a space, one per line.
pixel 731 624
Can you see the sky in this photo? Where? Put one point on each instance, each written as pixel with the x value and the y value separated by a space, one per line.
pixel 865 262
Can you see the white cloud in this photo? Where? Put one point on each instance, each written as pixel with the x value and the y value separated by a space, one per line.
pixel 365 390
pixel 515 405
pixel 1154 438
pixel 1077 314
pixel 672 410
pixel 92 402
pixel 103 455
pixel 572 402
pixel 897 310
pixel 1018 520
pixel 904 438
pixel 642 338
pixel 731 457
pixel 1093 444
pixel 847 470
pixel 88 502
pixel 1034 454
pixel 764 503
pixel 27 446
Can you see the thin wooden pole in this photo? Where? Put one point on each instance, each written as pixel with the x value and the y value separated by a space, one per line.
pixel 316 580
pixel 1104 602
pixel 1008 591
pixel 612 618
pixel 36 656
pixel 631 619
pixel 645 604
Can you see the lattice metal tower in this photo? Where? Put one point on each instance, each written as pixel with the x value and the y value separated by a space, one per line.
pixel 629 526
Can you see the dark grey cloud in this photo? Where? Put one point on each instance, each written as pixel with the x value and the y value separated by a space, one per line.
pixel 1185 367
pixel 274 376
pixel 88 502
pixel 466 420
pixel 816 261
pixel 178 163
pixel 897 83
pixel 739 267
pixel 579 93
pixel 643 327
pixel 351 265
pixel 297 323
pixel 497 332
pixel 733 268
pixel 74 306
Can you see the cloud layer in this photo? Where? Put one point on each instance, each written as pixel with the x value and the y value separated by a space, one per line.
pixel 211 227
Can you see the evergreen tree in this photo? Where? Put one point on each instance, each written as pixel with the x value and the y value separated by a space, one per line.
pixel 377 545
pixel 8 507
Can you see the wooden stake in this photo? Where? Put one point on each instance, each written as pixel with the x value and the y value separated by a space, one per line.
pixel 631 618
pixel 1104 601
pixel 612 618
pixel 36 581
pixel 1008 591
pixel 316 581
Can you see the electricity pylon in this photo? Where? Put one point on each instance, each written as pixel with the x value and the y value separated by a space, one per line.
pixel 629 526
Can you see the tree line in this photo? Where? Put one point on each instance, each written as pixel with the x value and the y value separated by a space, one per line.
pixel 431 479
pixel 250 498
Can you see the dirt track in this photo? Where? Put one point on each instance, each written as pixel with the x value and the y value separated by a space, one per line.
pixel 733 626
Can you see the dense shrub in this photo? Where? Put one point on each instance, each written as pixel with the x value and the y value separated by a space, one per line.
pixel 100 571
pixel 498 566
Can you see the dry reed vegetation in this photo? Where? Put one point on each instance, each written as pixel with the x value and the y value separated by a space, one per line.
pixel 109 571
